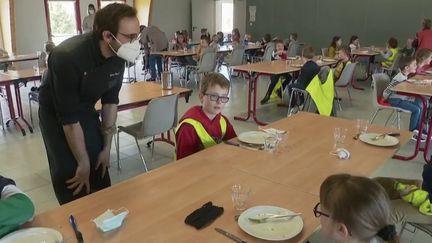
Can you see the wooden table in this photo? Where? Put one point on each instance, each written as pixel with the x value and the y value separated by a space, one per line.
pixel 418 92
pixel 369 53
pixel 18 58
pixel 15 78
pixel 266 68
pixel 160 200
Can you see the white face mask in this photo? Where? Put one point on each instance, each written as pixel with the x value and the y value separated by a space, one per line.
pixel 128 51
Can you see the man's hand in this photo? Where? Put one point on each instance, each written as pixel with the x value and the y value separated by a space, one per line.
pixel 81 179
pixel 104 161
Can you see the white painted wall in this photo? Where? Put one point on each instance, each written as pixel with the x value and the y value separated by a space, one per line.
pixel 240 16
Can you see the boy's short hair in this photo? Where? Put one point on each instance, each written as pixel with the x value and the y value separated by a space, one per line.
pixel 294 36
pixel 392 42
pixel 308 52
pixel 213 79
pixel 423 54
pixel 278 41
pixel 206 38
pixel 427 23
pixel 346 49
pixel 405 61
pixel 267 37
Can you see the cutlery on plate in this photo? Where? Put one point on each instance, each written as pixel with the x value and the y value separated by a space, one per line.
pixel 229 235
pixel 78 234
pixel 272 216
pixel 243 146
pixel 381 136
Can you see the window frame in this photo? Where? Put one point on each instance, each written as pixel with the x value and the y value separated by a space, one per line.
pixel 98 2
pixel 77 16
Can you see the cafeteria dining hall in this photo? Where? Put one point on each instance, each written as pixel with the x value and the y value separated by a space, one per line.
pixel 215 121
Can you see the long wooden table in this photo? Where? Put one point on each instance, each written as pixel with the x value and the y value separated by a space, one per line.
pixel 160 200
pixel 369 53
pixel 419 92
pixel 266 68
pixel 18 58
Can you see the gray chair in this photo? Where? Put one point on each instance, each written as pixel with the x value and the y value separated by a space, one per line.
pixel 344 81
pixel 426 228
pixel 394 68
pixel 324 52
pixel 294 50
pixel 380 81
pixel 207 64
pixel 160 117
pixel 237 58
pixel 267 56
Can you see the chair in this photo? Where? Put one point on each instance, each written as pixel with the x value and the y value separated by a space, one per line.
pixel 160 117
pixel 394 67
pixel 128 66
pixel 33 95
pixel 237 58
pixel 324 52
pixel 206 64
pixel 380 81
pixel 344 80
pixel 426 228
pixel 267 56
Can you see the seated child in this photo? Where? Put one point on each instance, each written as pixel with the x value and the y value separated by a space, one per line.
pixel 204 43
pixel 334 46
pixel 204 126
pixel 423 58
pixel 278 54
pixel 408 49
pixel 15 207
pixel 354 43
pixel 355 209
pixel 390 54
pixel 407 66
pixel 343 56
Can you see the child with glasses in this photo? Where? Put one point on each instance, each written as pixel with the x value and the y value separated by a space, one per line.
pixel 355 209
pixel 204 126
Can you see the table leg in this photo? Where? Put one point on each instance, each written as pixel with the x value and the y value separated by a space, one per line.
pixel 423 118
pixel 368 74
pixel 13 117
pixel 19 106
pixel 249 78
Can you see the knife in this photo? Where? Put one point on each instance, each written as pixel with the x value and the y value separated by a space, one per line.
pixel 78 234
pixel 229 235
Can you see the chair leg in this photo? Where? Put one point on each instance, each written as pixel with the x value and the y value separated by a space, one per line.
pixel 141 155
pixel 152 148
pixel 349 95
pixel 398 121
pixel 31 113
pixel 388 118
pixel 1 115
pixel 338 99
pixel 117 144
pixel 374 115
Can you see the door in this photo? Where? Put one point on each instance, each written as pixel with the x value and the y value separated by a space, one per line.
pixel 203 16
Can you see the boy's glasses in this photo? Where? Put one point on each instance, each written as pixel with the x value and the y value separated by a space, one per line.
pixel 318 213
pixel 222 99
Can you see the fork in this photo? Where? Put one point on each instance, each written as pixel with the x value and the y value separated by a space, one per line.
pixel 276 216
pixel 381 136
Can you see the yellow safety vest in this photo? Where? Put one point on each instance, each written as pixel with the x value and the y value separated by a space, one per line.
pixel 322 93
pixel 389 61
pixel 416 197
pixel 205 138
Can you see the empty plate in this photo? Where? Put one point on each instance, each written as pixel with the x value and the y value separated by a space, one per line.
pixel 386 141
pixel 253 137
pixel 275 230
pixel 36 235
pixel 328 60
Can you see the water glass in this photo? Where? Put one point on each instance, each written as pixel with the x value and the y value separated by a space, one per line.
pixel 339 135
pixel 271 143
pixel 240 195
pixel 362 126
pixel 283 141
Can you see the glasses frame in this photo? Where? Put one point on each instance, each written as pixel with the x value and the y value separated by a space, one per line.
pixel 318 213
pixel 213 97
pixel 132 37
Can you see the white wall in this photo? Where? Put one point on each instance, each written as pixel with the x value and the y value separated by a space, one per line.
pixel 240 16
pixel 171 15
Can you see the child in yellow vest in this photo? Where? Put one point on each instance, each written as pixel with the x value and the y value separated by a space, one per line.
pixel 391 53
pixel 204 126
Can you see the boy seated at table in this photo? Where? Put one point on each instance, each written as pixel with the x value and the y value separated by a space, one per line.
pixel 407 66
pixel 15 207
pixel 423 58
pixel 204 126
pixel 343 56
pixel 390 54
pixel 278 54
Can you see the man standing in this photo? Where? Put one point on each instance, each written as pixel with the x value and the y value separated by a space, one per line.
pixel 82 70
pixel 155 40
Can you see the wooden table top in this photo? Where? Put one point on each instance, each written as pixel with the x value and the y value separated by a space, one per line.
pixel 368 51
pixel 140 93
pixel 19 58
pixel 277 66
pixel 192 52
pixel 23 74
pixel 159 201
pixel 413 88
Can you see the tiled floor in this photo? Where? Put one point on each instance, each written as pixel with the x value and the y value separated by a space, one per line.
pixel 24 158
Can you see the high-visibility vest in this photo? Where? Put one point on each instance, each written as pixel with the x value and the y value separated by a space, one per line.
pixel 389 61
pixel 416 197
pixel 322 93
pixel 205 138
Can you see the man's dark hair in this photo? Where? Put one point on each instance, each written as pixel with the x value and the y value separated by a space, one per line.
pixel 108 18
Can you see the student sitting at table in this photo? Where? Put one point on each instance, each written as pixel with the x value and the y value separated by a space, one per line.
pixel 423 58
pixel 408 49
pixel 334 46
pixel 354 43
pixel 278 54
pixel 204 43
pixel 220 36
pixel 204 126
pixel 180 45
pixel 235 38
pixel 343 56
pixel 355 209
pixel 391 52
pixel 407 66
pixel 214 42
pixel 16 208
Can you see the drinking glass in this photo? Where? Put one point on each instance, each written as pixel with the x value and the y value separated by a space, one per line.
pixel 339 135
pixel 240 194
pixel 362 126
pixel 283 139
pixel 271 143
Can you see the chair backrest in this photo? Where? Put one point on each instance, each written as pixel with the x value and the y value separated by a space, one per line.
pixel 237 56
pixel 268 51
pixel 160 115
pixel 347 74
pixel 293 50
pixel 395 65
pixel 380 81
pixel 324 52
pixel 207 62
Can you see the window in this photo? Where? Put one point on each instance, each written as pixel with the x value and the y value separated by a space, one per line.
pixel 63 19
pixel 227 21
pixel 103 3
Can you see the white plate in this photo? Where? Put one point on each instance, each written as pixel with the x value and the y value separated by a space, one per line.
pixel 36 235
pixel 387 141
pixel 253 137
pixel 276 230
pixel 328 60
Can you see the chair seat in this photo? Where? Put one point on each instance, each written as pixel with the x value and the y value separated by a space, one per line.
pixel 427 228
pixel 385 104
pixel 133 130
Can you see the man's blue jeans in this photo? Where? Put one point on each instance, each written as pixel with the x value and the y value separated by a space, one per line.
pixel 153 61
